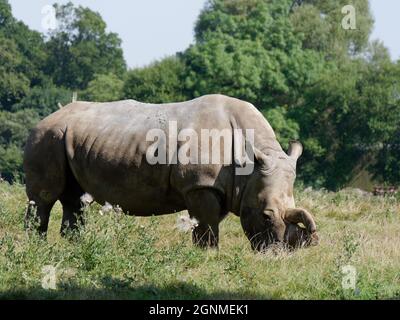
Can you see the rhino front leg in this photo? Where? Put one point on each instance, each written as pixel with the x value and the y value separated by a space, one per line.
pixel 204 206
pixel 72 215
pixel 206 236
pixel 72 207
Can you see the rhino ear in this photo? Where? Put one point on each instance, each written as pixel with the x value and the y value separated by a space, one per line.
pixel 295 150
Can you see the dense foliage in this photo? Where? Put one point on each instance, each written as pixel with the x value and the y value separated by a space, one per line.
pixel 38 72
pixel 331 88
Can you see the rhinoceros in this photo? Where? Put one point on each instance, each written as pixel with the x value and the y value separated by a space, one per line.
pixel 101 149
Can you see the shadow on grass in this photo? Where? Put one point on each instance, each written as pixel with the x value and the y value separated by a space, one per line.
pixel 116 289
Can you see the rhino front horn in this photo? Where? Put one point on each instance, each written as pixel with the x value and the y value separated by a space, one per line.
pixel 295 150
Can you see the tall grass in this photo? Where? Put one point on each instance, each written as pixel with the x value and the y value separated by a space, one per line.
pixel 121 257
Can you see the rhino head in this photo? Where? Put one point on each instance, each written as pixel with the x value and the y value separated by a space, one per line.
pixel 267 213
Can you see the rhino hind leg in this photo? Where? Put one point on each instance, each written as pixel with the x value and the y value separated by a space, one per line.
pixel 204 205
pixel 37 216
pixel 44 165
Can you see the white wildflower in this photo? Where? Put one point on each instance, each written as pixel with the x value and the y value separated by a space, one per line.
pixel 118 209
pixel 32 203
pixel 107 208
pixel 186 224
pixel 87 199
pixel 49 280
pixel 26 277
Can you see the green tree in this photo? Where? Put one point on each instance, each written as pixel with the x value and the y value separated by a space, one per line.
pixel 104 88
pixel 160 82
pixel 44 99
pixel 323 116
pixel 352 112
pixel 13 82
pixel 248 49
pixel 380 111
pixel 286 129
pixel 318 24
pixel 11 163
pixel 331 88
pixel 312 78
pixel 387 166
pixel 14 130
pixel 5 14
pixel 81 47
pixel 29 44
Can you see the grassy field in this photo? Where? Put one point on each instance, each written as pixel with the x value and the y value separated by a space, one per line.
pixel 119 257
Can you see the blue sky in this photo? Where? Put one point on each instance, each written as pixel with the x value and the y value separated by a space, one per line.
pixel 152 29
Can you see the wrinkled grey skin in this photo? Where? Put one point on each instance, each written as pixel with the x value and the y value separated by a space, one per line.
pixel 100 149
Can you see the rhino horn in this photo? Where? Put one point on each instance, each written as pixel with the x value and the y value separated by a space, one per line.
pixel 301 216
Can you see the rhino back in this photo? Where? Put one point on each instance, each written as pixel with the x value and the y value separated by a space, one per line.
pixel 106 150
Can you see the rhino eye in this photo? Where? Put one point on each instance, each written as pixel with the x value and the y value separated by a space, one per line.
pixel 267 219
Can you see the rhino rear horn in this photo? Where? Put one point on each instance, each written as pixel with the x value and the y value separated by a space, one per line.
pixel 301 216
pixel 295 150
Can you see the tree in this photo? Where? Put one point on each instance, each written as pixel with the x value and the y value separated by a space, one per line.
pixel 13 82
pixel 28 43
pixel 380 103
pixel 387 165
pixel 286 129
pixel 248 49
pixel 80 48
pixel 44 99
pixel 352 112
pixel 318 23
pixel 314 81
pixel 13 133
pixel 5 13
pixel 159 82
pixel 311 78
pixel 104 88
pixel 10 163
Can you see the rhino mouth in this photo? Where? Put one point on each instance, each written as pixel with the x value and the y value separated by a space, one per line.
pixel 263 233
pixel 297 236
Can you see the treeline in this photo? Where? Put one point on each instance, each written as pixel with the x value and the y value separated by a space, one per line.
pixel 331 88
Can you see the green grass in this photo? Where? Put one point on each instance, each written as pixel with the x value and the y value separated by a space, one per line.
pixel 120 257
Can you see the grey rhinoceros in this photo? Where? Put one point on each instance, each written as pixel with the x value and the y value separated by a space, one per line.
pixel 102 149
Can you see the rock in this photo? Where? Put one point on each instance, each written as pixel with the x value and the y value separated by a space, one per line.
pixel 356 191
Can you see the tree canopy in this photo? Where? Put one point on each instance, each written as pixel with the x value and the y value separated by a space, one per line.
pixel 38 72
pixel 328 86
pixel 81 47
